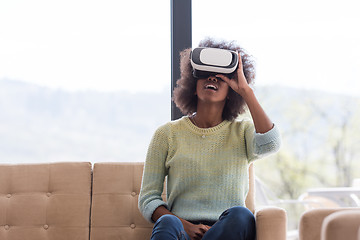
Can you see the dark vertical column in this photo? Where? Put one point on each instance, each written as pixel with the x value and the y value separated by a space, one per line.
pixel 180 39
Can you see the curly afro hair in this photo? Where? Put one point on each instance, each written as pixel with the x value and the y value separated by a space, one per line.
pixel 183 94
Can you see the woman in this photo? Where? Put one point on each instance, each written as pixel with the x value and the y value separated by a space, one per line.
pixel 205 155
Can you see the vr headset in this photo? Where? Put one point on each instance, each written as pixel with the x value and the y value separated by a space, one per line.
pixel 211 61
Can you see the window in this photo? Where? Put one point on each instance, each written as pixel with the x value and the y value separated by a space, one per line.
pixel 82 80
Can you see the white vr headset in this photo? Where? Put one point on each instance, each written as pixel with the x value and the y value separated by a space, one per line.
pixel 212 61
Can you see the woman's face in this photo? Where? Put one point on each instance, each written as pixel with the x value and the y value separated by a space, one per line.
pixel 212 89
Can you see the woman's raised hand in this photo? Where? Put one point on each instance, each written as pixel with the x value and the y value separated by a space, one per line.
pixel 240 84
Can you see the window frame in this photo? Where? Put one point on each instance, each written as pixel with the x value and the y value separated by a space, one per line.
pixel 181 38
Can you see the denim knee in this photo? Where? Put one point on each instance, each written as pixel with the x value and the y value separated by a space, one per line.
pixel 239 213
pixel 240 216
pixel 169 219
pixel 168 227
pixel 235 223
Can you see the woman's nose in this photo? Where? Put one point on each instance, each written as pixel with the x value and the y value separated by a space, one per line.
pixel 212 78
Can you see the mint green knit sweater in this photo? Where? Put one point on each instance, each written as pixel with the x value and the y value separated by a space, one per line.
pixel 206 168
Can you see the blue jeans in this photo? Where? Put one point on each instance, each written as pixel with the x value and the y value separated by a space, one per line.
pixel 236 223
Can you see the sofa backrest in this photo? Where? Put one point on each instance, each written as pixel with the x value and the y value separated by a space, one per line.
pixel 114 213
pixel 45 201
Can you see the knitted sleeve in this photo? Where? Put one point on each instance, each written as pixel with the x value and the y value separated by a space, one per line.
pixel 154 174
pixel 261 144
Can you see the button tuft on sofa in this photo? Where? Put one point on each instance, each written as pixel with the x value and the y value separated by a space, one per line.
pixel 7 227
pixel 133 194
pixel 46 227
pixel 132 225
pixel 48 194
pixel 8 195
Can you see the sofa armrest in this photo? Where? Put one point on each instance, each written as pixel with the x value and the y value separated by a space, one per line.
pixel 311 222
pixel 341 225
pixel 270 223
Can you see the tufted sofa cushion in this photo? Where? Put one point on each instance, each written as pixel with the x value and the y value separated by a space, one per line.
pixel 45 201
pixel 115 213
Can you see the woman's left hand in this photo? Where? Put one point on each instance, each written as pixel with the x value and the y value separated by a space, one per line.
pixel 240 84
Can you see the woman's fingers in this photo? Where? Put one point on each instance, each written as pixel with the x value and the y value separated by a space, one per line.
pixel 240 61
pixel 202 229
pixel 231 82
pixel 224 78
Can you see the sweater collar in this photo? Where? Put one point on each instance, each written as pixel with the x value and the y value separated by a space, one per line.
pixel 198 130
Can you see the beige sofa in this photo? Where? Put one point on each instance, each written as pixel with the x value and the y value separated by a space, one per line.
pixel 78 201
pixel 330 224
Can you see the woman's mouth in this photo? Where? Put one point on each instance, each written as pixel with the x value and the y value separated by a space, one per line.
pixel 211 87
